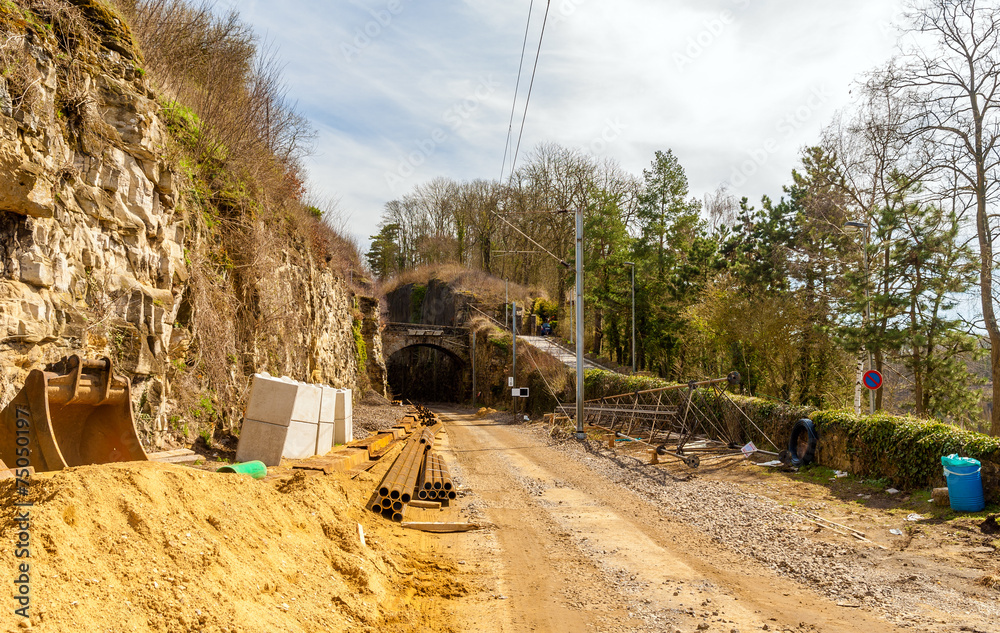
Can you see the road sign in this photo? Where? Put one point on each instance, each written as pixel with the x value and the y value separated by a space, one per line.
pixel 519 392
pixel 872 379
pixel 510 381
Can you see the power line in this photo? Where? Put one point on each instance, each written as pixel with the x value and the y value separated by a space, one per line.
pixel 513 106
pixel 525 236
pixel 527 100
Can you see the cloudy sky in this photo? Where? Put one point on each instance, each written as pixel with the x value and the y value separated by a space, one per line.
pixel 402 91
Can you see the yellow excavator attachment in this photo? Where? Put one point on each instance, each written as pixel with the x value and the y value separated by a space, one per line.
pixel 62 420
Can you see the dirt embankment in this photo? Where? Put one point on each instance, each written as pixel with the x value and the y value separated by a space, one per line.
pixel 156 547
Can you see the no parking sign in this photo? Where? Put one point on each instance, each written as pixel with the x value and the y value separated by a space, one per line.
pixel 872 379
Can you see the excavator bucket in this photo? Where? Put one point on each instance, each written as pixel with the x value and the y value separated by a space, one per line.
pixel 62 420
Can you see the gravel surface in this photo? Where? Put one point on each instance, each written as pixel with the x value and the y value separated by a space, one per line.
pixel 759 527
pixel 369 419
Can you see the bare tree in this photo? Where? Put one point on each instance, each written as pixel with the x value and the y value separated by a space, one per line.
pixel 949 74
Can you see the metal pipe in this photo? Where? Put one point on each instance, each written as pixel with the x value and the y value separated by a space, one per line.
pixel 410 478
pixel 438 475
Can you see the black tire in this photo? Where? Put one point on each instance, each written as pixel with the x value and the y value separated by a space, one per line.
pixel 806 426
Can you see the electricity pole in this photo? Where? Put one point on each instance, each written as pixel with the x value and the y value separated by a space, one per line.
pixel 579 324
pixel 632 266
pixel 513 347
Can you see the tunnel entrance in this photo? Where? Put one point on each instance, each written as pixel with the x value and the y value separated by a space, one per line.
pixel 425 373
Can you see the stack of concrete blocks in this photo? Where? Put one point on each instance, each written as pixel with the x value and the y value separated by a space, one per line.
pixel 282 420
pixel 336 419
pixel 293 420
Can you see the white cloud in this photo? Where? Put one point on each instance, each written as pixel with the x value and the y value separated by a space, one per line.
pixel 749 65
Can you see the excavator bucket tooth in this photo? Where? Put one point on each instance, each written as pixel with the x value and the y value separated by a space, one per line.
pixel 82 417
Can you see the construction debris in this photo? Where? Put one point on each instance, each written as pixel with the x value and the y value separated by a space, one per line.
pixel 679 421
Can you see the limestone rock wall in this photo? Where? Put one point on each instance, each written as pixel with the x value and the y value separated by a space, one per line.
pixel 90 237
pixel 96 245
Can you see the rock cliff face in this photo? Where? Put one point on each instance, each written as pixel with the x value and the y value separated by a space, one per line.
pixel 97 239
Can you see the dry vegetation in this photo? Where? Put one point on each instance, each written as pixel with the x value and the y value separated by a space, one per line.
pixel 488 289
pixel 239 141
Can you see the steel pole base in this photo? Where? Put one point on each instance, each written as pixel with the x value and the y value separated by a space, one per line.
pixel 581 435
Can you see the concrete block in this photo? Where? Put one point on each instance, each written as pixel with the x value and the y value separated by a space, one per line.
pixel 261 441
pixel 327 410
pixel 308 399
pixel 324 438
pixel 271 400
pixel 280 401
pixel 300 441
pixel 344 409
pixel 344 418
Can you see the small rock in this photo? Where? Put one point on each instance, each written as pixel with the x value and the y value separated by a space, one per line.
pixel 25 623
pixel 940 497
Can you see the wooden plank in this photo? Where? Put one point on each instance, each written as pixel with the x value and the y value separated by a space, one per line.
pixel 176 456
pixel 343 460
pixel 172 453
pixel 375 445
pixel 439 527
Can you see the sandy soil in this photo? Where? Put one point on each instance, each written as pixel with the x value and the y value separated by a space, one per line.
pixel 158 547
pixel 576 537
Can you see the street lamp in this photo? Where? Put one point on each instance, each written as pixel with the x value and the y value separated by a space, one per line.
pixel 868 302
pixel 632 266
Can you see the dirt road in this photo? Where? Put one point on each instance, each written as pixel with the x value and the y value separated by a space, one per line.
pixel 571 551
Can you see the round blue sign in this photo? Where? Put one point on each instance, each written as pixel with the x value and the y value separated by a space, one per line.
pixel 873 379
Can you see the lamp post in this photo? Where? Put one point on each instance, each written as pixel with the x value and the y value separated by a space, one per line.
pixel 864 226
pixel 632 266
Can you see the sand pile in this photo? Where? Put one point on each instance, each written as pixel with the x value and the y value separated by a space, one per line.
pixel 158 547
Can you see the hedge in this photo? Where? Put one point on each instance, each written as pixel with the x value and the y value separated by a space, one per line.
pixel 904 450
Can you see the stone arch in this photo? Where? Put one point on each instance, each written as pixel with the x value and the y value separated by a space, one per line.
pixel 389 353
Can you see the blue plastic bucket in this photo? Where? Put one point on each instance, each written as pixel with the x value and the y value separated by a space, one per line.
pixel 965 483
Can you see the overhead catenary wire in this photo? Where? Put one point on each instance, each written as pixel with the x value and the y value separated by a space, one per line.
pixel 525 236
pixel 531 84
pixel 517 85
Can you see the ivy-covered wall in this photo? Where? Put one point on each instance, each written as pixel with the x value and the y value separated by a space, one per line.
pixel 907 451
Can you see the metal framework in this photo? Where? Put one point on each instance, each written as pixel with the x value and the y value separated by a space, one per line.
pixel 681 421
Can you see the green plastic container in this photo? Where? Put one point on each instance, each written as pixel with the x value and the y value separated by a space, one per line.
pixel 255 469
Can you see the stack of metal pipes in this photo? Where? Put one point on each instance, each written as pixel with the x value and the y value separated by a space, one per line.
pixel 400 483
pixel 435 482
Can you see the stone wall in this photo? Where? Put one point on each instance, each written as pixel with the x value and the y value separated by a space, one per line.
pixel 433 304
